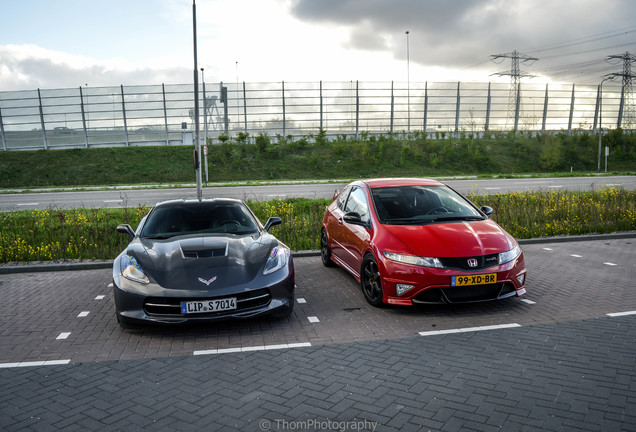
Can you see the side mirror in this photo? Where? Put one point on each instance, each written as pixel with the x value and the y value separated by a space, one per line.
pixel 354 219
pixel 126 229
pixel 271 222
pixel 487 210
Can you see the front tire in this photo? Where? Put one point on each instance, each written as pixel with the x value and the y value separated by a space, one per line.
pixel 325 250
pixel 371 281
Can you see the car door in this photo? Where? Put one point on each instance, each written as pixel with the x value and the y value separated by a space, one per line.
pixel 355 238
pixel 334 223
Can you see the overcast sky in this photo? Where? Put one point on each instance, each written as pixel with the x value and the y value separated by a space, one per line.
pixel 71 43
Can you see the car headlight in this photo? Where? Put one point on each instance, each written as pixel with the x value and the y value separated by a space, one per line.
pixel 276 260
pixel 414 260
pixel 512 254
pixel 131 269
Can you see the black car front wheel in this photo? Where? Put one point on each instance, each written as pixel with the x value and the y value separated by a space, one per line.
pixel 371 281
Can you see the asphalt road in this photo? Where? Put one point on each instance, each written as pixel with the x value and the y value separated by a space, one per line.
pixel 136 196
pixel 560 358
pixel 566 281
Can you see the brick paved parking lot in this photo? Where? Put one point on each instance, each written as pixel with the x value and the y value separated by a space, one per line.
pixel 551 360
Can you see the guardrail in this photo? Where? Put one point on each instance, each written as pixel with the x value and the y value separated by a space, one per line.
pixel 160 114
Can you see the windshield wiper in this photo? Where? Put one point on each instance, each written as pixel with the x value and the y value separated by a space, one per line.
pixel 160 236
pixel 457 218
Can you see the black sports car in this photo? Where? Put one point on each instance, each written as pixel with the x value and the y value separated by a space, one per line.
pixel 194 261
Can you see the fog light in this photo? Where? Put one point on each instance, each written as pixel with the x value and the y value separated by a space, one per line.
pixel 521 278
pixel 402 288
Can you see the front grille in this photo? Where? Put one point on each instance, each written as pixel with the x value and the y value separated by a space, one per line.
pixel 461 263
pixel 467 294
pixel 171 306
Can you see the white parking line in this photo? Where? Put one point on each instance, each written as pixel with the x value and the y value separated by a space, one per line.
pixel 528 301
pixel 100 297
pixel 547 249
pixel 576 256
pixel 253 348
pixel 301 300
pixel 619 314
pixel 611 264
pixel 34 363
pixel 64 335
pixel 555 186
pixel 83 314
pixel 28 204
pixel 313 319
pixel 112 201
pixel 469 329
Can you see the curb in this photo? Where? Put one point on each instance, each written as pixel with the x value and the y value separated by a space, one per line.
pixel 97 265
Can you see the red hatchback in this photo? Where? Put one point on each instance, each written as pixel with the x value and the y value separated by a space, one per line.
pixel 417 241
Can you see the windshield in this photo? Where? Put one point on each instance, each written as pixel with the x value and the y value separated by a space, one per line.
pixel 417 205
pixel 199 218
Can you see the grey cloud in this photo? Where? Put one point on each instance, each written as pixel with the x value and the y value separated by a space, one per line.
pixel 460 33
pixel 43 72
pixel 442 32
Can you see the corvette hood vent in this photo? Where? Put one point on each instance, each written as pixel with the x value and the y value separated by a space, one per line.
pixel 196 248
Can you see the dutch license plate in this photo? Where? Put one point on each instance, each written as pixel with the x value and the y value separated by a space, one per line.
pixel 205 306
pixel 481 279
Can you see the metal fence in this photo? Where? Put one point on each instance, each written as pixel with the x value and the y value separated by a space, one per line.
pixel 161 114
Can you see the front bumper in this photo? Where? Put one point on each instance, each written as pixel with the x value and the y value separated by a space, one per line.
pixel 138 305
pixel 433 285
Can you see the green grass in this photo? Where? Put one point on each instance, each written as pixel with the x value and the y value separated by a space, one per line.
pixel 314 157
pixel 45 235
pixel 90 233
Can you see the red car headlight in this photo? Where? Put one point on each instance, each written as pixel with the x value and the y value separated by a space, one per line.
pixel 414 260
pixel 512 254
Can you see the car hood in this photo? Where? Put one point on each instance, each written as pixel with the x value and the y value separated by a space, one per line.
pixel 203 262
pixel 456 239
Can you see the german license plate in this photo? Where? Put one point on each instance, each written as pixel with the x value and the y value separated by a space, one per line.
pixel 205 306
pixel 482 279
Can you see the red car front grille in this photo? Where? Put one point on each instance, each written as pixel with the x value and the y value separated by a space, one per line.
pixel 462 263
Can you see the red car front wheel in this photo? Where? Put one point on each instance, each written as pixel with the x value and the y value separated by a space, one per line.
pixel 325 251
pixel 371 281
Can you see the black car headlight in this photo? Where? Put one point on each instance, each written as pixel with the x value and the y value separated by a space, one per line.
pixel 276 260
pixel 130 269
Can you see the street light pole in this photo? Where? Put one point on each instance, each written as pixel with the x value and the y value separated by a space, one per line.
pixel 205 128
pixel 600 119
pixel 408 81
pixel 197 143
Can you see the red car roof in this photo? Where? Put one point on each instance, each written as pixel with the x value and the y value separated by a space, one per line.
pixel 393 182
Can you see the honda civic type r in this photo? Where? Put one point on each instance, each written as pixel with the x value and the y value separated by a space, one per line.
pixel 197 261
pixel 417 241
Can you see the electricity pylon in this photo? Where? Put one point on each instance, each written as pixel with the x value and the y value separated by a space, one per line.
pixel 626 112
pixel 514 96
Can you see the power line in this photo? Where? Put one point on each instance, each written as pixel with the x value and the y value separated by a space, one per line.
pixel 584 40
pixel 583 68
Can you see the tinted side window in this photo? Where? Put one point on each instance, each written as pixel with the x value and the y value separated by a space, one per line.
pixel 358 203
pixel 342 198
